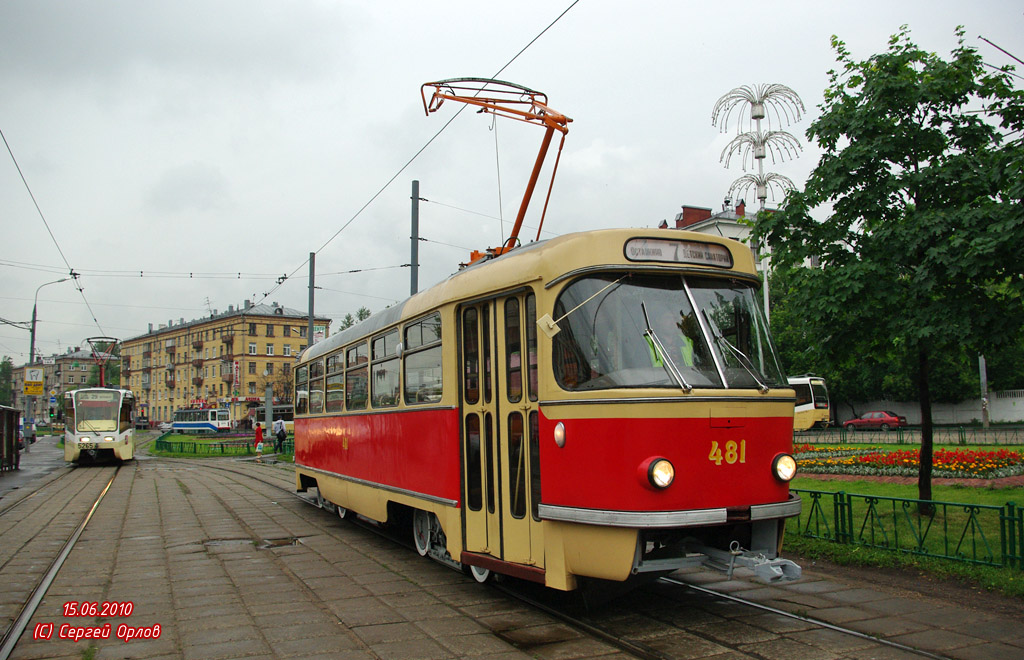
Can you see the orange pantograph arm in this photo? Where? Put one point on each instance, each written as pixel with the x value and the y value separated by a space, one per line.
pixel 505 99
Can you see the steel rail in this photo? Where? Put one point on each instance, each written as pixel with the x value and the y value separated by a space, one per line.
pixel 805 619
pixel 13 635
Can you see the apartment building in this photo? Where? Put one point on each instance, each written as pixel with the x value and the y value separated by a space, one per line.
pixel 226 360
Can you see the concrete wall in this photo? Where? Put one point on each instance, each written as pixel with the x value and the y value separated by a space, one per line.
pixel 1004 407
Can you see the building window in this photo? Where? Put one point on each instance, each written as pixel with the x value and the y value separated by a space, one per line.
pixel 252 348
pixel 252 329
pixel 252 368
pixel 287 349
pixel 286 331
pixel 270 349
pixel 270 368
pixel 252 387
pixel 270 330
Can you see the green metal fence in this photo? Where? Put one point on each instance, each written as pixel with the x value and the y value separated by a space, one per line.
pixel 226 448
pixel 945 435
pixel 972 533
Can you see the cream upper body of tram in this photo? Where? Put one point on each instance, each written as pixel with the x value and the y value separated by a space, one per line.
pixel 99 425
pixel 604 404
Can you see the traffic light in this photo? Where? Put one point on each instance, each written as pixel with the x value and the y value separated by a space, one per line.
pixel 51 413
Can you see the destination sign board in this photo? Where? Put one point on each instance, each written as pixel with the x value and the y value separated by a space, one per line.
pixel 678 252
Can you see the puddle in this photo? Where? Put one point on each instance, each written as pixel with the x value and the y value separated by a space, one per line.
pixel 266 544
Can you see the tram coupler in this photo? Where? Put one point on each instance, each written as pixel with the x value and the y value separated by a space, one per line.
pixel 765 568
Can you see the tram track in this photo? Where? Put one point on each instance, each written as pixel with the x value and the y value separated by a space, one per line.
pixel 14 632
pixel 635 645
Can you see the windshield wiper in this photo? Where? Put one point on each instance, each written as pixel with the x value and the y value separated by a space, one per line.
pixel 667 362
pixel 741 357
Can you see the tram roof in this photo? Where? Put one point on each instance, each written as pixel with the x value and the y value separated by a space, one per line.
pixel 538 261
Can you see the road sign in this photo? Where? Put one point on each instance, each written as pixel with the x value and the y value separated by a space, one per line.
pixel 33 382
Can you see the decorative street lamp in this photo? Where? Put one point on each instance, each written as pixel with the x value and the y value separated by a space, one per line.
pixel 759 100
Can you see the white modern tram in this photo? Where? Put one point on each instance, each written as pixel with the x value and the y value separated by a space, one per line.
pixel 99 425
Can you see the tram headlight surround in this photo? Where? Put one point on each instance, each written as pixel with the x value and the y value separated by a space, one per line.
pixel 657 473
pixel 784 467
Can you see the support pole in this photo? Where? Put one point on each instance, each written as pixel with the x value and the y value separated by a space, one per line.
pixel 312 286
pixel 414 248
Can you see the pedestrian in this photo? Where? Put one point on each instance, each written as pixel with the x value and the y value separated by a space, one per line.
pixel 259 443
pixel 280 434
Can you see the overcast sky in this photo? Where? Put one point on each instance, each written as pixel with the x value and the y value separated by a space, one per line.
pixel 229 139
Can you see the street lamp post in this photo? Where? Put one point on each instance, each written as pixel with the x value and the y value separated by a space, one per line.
pixel 32 359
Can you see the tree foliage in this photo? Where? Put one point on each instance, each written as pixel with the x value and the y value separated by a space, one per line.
pixel 919 256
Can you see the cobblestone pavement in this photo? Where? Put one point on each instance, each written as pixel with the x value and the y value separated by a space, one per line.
pixel 228 565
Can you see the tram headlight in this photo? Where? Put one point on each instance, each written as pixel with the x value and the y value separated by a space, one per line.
pixel 108 439
pixel 784 467
pixel 658 473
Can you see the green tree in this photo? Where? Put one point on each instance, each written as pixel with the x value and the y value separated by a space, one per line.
pixel 920 251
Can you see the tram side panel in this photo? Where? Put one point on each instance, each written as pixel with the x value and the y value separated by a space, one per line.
pixel 413 455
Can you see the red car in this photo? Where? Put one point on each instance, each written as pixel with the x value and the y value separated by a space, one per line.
pixel 876 419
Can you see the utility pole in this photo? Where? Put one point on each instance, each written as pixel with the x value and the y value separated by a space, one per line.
pixel 312 286
pixel 414 259
pixel 983 374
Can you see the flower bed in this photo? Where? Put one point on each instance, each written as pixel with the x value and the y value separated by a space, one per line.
pixel 871 461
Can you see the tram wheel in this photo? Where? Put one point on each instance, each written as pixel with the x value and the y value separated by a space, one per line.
pixel 342 512
pixel 421 523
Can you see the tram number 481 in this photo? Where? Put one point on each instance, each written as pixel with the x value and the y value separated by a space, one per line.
pixel 735 452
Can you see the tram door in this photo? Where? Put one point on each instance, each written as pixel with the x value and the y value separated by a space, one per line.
pixel 499 352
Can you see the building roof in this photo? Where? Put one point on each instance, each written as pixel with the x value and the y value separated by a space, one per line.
pixel 247 311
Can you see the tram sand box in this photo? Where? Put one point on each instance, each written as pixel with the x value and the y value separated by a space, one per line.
pixel 650 430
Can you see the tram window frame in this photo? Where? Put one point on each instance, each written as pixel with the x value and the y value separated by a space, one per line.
pixel 316 396
pixel 471 355
pixel 423 373
pixel 357 366
pixel 531 346
pixel 334 396
pixel 513 351
pixel 302 390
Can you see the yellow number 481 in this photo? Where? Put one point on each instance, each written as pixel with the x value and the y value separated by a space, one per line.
pixel 735 452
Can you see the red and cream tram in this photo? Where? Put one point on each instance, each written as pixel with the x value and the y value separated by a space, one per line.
pixel 603 404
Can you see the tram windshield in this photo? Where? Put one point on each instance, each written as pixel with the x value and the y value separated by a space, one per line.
pixel 97 411
pixel 711 330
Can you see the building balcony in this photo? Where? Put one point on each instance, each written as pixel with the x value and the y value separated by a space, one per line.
pixel 197 344
pixel 146 369
pixel 169 382
pixel 147 354
pixel 228 378
pixel 197 363
pixel 171 349
pixel 170 366
pixel 197 381
pixel 228 338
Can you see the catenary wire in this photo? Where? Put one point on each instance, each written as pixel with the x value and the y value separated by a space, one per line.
pixel 415 156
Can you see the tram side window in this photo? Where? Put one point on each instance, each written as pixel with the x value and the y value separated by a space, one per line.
pixel 356 379
pixel 335 395
pixel 126 414
pixel 385 367
pixel 423 382
pixel 302 390
pixel 513 351
pixel 531 344
pixel 471 356
pixel 316 387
